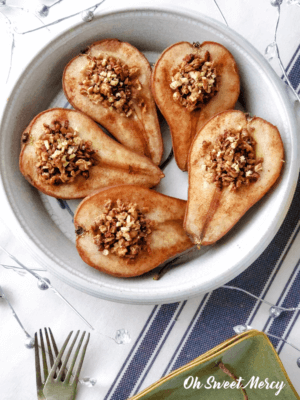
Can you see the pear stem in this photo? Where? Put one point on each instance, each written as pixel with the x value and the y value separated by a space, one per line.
pixel 167 160
pixel 161 272
pixel 232 376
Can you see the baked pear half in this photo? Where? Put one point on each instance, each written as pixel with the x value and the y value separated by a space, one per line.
pixel 111 83
pixel 128 230
pixel 233 162
pixel 191 83
pixel 66 155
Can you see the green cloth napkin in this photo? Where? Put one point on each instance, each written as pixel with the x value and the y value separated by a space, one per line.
pixel 249 356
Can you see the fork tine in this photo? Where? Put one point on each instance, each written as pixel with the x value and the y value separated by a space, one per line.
pixel 37 363
pixel 59 376
pixel 49 348
pixel 67 380
pixel 58 358
pixel 53 342
pixel 55 349
pixel 81 360
pixel 44 356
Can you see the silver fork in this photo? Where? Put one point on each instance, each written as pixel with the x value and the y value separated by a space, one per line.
pixel 58 387
pixel 39 381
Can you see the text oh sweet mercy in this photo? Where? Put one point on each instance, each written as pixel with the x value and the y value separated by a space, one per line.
pixel 255 382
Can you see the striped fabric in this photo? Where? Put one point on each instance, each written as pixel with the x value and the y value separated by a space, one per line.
pixel 274 276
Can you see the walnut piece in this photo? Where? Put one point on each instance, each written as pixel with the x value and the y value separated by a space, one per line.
pixel 231 160
pixel 110 82
pixel 62 154
pixel 122 229
pixel 195 81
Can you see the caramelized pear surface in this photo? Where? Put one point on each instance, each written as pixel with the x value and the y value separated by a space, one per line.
pixel 166 240
pixel 211 212
pixel 115 164
pixel 140 131
pixel 183 123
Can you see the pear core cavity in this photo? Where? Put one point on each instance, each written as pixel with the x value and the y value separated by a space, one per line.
pixel 195 81
pixel 62 154
pixel 231 159
pixel 122 229
pixel 108 81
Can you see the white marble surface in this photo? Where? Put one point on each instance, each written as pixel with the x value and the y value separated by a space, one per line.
pixel 254 20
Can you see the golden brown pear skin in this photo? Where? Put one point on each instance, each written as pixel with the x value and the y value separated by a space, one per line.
pixel 184 124
pixel 212 212
pixel 167 239
pixel 140 132
pixel 117 164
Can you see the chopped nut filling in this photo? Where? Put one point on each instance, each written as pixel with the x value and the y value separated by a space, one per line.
pixel 122 229
pixel 195 81
pixel 110 82
pixel 62 154
pixel 231 160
